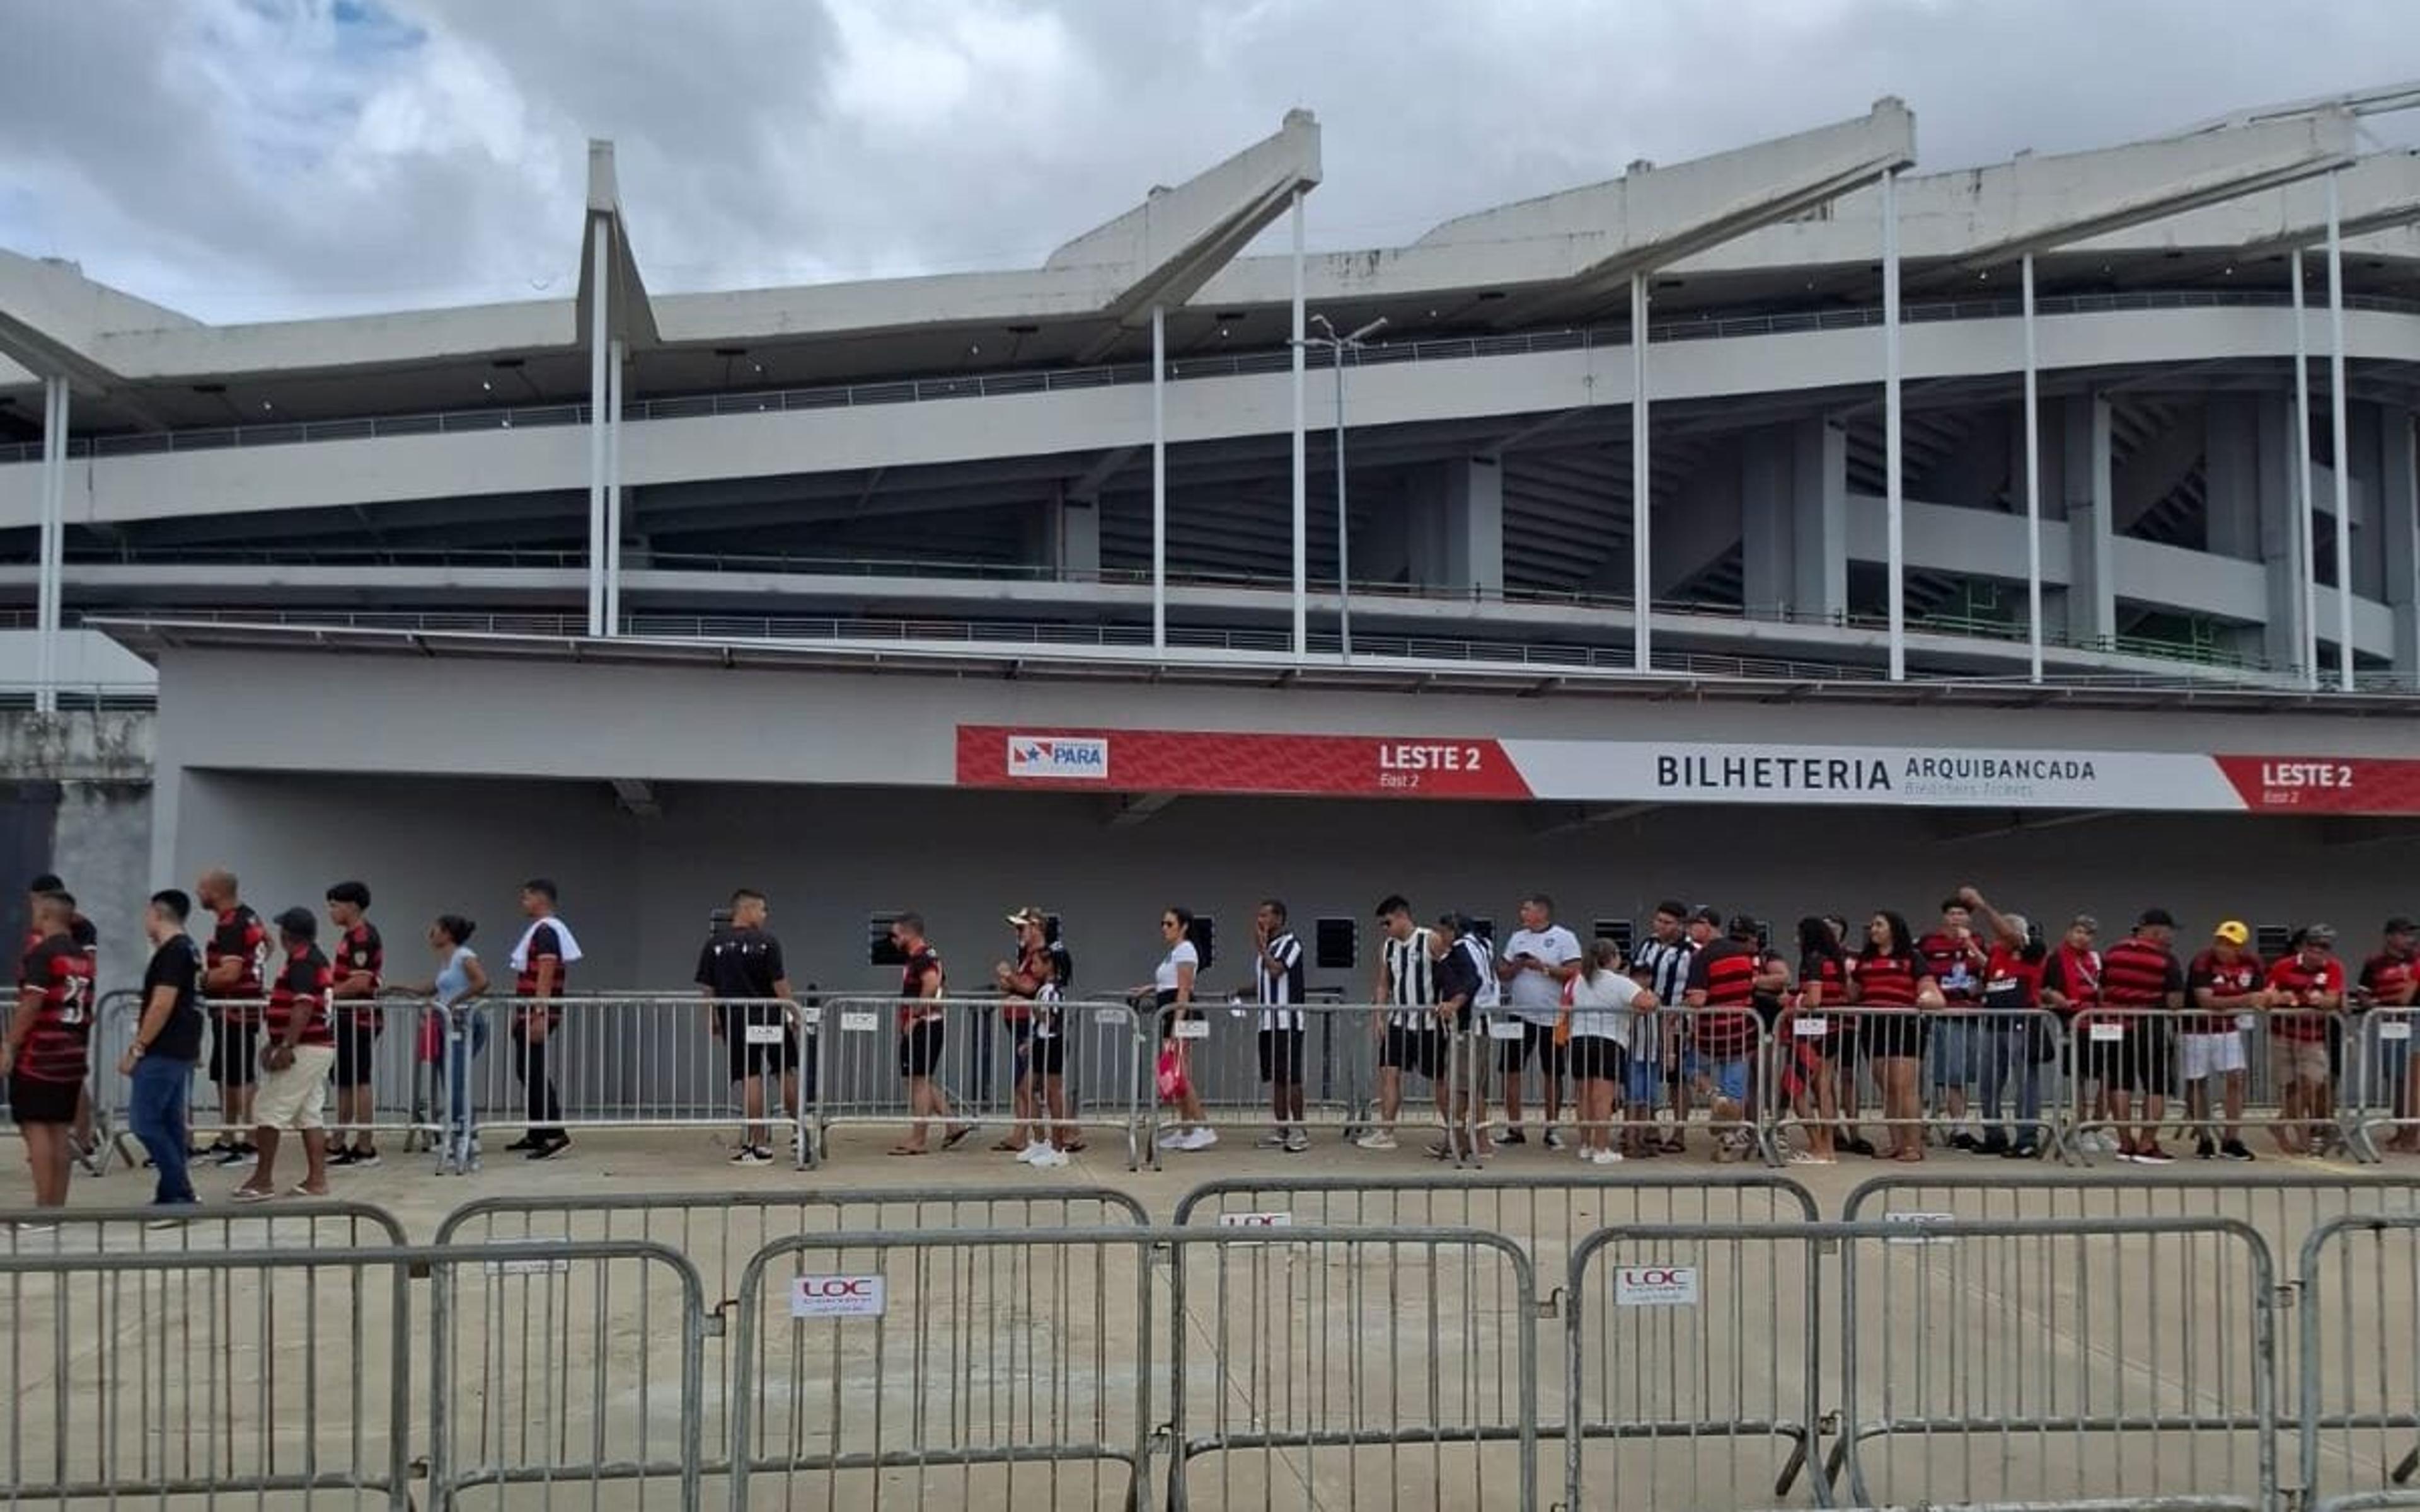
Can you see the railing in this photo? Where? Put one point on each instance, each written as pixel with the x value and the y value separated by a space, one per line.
pixel 997 384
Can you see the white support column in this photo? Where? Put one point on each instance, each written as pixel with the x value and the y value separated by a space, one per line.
pixel 1642 580
pixel 2305 515
pixel 601 271
pixel 51 544
pixel 2033 482
pixel 1158 478
pixel 2343 469
pixel 1895 497
pixel 616 356
pixel 1301 457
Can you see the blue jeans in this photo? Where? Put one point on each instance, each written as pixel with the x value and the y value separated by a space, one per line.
pixel 156 1112
pixel 474 1028
pixel 2008 1056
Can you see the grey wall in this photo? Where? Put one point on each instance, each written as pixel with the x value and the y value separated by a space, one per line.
pixel 638 891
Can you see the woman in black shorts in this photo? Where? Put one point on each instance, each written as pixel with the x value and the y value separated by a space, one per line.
pixel 1894 986
pixel 1172 991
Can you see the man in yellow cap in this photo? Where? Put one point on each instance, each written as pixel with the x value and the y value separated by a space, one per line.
pixel 2224 984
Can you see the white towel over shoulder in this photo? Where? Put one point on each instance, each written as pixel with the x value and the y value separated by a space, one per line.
pixel 563 932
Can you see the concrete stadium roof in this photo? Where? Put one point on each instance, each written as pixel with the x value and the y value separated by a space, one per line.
pixel 1781 221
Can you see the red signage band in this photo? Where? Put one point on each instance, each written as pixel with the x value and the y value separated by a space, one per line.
pixel 2307 784
pixel 1166 761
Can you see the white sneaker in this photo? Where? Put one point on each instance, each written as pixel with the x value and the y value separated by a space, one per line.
pixel 1606 1157
pixel 751 1155
pixel 1274 1139
pixel 1202 1138
pixel 1588 1156
pixel 1554 1138
pixel 1047 1157
pixel 1297 1140
pixel 1376 1139
pixel 1173 1139
pixel 1033 1153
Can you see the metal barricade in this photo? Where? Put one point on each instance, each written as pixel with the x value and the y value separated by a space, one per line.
pixel 865 1054
pixel 297 1225
pixel 2142 1051
pixel 1345 1049
pixel 2057 1364
pixel 2382 1083
pixel 228 1377
pixel 1693 1358
pixel 718 1232
pixel 2359 1305
pixel 567 1369
pixel 1338 1367
pixel 2003 1062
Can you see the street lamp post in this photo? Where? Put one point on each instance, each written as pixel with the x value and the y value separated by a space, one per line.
pixel 1336 347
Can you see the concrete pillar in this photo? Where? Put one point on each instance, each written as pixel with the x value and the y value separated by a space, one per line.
pixel 2231 462
pixel 2085 477
pixel 2365 425
pixel 1768 459
pixel 1819 509
pixel 2398 518
pixel 2285 641
pixel 1453 523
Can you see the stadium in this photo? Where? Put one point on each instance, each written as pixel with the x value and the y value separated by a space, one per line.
pixel 1786 532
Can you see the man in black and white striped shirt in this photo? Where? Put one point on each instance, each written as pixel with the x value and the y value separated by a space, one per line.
pixel 1277 977
pixel 1405 1020
pixel 1660 964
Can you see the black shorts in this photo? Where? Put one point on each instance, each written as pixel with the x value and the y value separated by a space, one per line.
pixel 1040 1054
pixel 1538 1038
pixel 920 1048
pixel 1895 1036
pixel 355 1041
pixel 2146 1059
pixel 235 1053
pixel 749 1061
pixel 1595 1058
pixel 1281 1055
pixel 1415 1050
pixel 38 1102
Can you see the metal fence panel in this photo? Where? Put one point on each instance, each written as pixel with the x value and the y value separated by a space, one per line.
pixel 230 1378
pixel 2130 1049
pixel 861 1081
pixel 2057 1362
pixel 570 1369
pixel 286 1224
pixel 2002 1066
pixel 2382 1096
pixel 1692 1359
pixel 2360 1374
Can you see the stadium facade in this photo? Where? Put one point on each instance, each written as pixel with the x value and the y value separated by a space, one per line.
pixel 2054 524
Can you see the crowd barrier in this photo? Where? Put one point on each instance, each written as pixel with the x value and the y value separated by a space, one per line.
pixel 2385 1094
pixel 2129 1050
pixel 1972 1071
pixel 2120 1344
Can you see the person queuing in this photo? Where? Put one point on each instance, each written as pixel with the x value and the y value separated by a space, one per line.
pixel 1723 1030
pixel 1956 959
pixel 2391 980
pixel 1660 965
pixel 1539 958
pixel 749 1008
pixel 158 1060
pixel 1043 1136
pixel 462 980
pixel 1594 1026
pixel 50 1036
pixel 1894 989
pixel 1467 1075
pixel 1408 1040
pixel 1455 974
pixel 2223 986
pixel 2306 990
pixel 1172 984
pixel 301 1052
pixel 1278 988
pixel 540 963
pixel 2141 979
pixel 1811 1071
pixel 235 961
pixel 2070 988
pixel 922 1031
pixel 2013 1043
pixel 87 1143
pixel 359 964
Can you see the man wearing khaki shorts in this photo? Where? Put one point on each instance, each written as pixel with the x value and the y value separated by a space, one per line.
pixel 2305 993
pixel 300 1055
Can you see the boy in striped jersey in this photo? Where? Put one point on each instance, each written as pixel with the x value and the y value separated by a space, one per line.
pixel 1277 986
pixel 1408 1040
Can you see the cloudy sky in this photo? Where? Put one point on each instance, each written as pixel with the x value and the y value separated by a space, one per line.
pixel 249 160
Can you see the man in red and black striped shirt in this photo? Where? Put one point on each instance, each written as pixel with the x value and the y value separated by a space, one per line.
pixel 2391 980
pixel 235 958
pixel 2140 977
pixel 46 1054
pixel 87 939
pixel 1722 1030
pixel 2226 982
pixel 358 966
pixel 301 1052
pixel 539 963
pixel 2306 994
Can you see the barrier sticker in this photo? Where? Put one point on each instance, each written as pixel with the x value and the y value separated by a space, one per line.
pixel 859 1023
pixel 1810 1028
pixel 837 1296
pixel 2394 1029
pixel 765 1034
pixel 1117 1017
pixel 1256 1220
pixel 530 1266
pixel 2108 1033
pixel 1916 1223
pixel 811 1016
pixel 1504 1028
pixel 1193 1028
pixel 1655 1285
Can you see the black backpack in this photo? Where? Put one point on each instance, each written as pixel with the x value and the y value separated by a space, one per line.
pixel 1062 961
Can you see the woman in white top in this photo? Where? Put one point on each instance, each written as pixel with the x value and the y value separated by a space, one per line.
pixel 1597 1017
pixel 1172 991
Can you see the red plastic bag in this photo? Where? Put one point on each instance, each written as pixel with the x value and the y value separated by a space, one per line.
pixel 432 1039
pixel 1172 1083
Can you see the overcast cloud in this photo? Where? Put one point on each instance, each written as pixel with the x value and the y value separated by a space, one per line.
pixel 247 160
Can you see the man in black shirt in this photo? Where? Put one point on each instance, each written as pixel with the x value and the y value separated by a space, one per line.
pixel 167 1043
pixel 749 1008
pixel 1455 975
